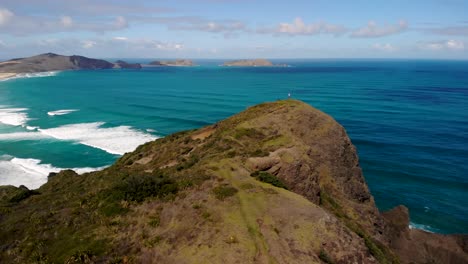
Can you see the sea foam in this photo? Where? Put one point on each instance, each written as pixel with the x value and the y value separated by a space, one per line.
pixel 61 112
pixel 422 227
pixel 31 75
pixel 17 136
pixel 13 116
pixel 115 140
pixel 29 172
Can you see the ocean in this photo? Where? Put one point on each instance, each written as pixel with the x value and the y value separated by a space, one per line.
pixel 408 119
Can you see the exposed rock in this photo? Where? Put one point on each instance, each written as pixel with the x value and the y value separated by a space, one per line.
pixel 419 246
pixel 172 63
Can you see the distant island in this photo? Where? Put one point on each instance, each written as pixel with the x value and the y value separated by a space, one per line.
pixel 54 62
pixel 125 65
pixel 253 63
pixel 183 62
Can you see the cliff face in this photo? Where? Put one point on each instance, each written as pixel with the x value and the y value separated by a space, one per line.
pixel 279 182
pixel 54 62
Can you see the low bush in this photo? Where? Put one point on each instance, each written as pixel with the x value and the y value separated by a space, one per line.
pixel 137 188
pixel 224 191
pixel 267 177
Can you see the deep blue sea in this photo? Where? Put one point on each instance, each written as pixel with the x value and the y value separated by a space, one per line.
pixel 408 119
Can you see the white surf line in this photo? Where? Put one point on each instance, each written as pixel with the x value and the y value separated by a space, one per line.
pixel 30 172
pixel 28 75
pixel 13 116
pixel 61 112
pixel 115 140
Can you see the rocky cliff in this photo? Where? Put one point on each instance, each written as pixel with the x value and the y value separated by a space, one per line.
pixel 277 183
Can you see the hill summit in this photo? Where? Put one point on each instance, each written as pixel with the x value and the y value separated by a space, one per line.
pixel 277 183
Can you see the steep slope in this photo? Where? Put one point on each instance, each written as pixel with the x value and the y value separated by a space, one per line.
pixel 277 183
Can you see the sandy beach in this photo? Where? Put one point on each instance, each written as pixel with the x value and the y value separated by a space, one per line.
pixel 6 75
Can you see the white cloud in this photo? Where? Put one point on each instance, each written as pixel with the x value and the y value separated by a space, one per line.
pixel 66 21
pixel 384 47
pixel 88 44
pixel 455 45
pixel 299 27
pixel 168 46
pixel 451 45
pixel 121 38
pixel 5 16
pixel 372 30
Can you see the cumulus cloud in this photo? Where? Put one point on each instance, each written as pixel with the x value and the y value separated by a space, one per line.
pixel 372 30
pixel 299 27
pixel 384 47
pixel 5 16
pixel 451 45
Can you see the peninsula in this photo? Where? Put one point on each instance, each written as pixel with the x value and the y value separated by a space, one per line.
pixel 183 62
pixel 277 183
pixel 54 62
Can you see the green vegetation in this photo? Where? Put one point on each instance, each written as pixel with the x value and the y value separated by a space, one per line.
pixel 21 194
pixel 224 191
pixel 137 188
pixel 267 177
pixel 155 221
pixel 250 133
pixel 323 256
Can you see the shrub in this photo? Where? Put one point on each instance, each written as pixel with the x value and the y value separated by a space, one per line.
pixel 21 194
pixel 137 188
pixel 224 191
pixel 259 153
pixel 248 132
pixel 323 256
pixel 266 177
pixel 155 221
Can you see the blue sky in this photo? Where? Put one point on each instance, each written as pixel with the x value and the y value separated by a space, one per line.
pixel 433 29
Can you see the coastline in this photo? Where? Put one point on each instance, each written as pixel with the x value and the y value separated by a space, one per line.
pixel 6 75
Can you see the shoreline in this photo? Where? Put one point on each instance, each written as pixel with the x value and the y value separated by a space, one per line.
pixel 6 75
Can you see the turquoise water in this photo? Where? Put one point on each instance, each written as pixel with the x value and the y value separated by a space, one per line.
pixel 408 119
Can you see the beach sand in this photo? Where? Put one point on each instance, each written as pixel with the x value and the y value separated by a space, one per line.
pixel 5 75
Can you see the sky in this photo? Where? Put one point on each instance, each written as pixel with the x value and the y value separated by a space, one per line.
pixel 426 29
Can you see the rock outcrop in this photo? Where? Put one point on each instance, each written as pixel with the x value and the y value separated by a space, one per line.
pixel 277 183
pixel 172 63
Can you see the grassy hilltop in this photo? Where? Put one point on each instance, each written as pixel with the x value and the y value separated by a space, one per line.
pixel 277 183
